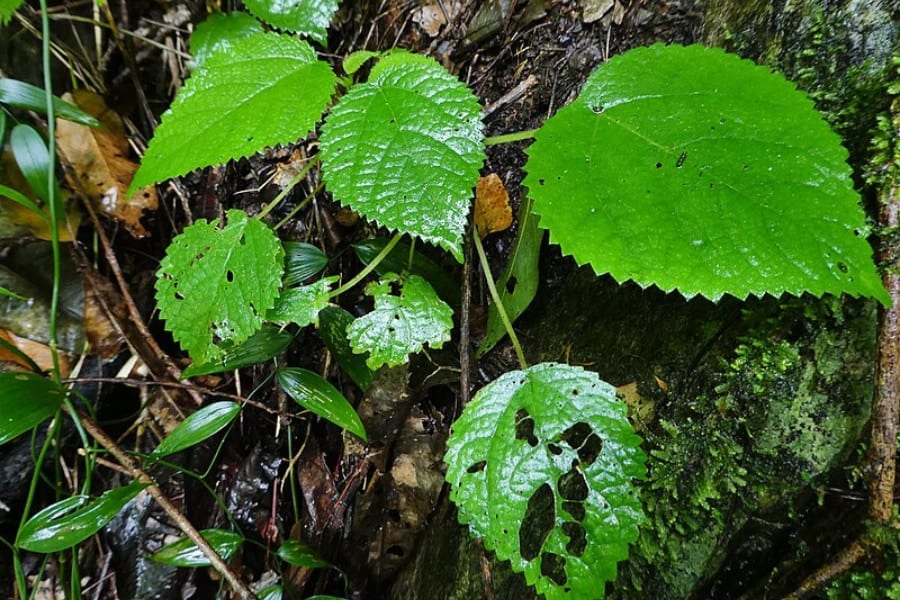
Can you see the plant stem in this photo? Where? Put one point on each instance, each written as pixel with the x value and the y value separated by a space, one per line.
pixel 290 186
pixel 299 206
pixel 506 138
pixel 369 267
pixel 501 310
pixel 240 588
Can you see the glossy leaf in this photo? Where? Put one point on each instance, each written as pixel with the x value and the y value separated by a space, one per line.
pixel 301 305
pixel 316 395
pixel 32 157
pixel 404 149
pixel 297 553
pixel 29 97
pixel 691 169
pixel 215 285
pixel 219 32
pixel 237 103
pixel 198 427
pixel 357 59
pixel 549 450
pixel 185 553
pixel 272 592
pixel 400 325
pixel 397 261
pixel 519 282
pixel 309 17
pixel 333 323
pixel 265 344
pixel 71 521
pixel 26 400
pixel 302 261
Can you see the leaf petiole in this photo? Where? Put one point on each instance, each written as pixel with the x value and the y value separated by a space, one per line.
pixel 495 297
pixel 290 186
pixel 506 138
pixel 368 268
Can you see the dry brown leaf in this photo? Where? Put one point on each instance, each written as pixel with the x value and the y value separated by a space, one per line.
pixel 100 164
pixel 36 351
pixel 101 298
pixel 492 210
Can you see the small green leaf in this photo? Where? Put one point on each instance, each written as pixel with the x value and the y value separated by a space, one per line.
pixel 542 464
pixel 263 345
pixel 2 124
pixel 519 282
pixel 316 395
pixel 219 32
pixel 302 261
pixel 19 198
pixel 297 553
pixel 301 305
pixel 185 553
pixel 405 148
pixel 238 103
pixel 400 325
pixel 357 59
pixel 397 261
pixel 333 323
pixel 692 169
pixel 33 159
pixel 26 400
pixel 215 285
pixel 24 95
pixel 198 427
pixel 7 8
pixel 309 17
pixel 71 521
pixel 12 294
pixel 272 592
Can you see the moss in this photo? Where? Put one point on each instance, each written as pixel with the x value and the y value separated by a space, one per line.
pixel 879 583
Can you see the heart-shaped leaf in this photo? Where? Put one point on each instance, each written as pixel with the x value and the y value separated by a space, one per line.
pixel 691 169
pixel 542 464
pixel 404 149
pixel 237 103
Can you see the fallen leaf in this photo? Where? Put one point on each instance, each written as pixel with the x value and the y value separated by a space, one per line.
pixel 36 351
pixel 593 10
pixel 100 299
pixel 492 210
pixel 430 18
pixel 99 162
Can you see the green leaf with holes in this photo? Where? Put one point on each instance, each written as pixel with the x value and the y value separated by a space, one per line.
pixel 266 89
pixel 401 323
pixel 404 149
pixel 301 305
pixel 542 465
pixel 215 285
pixel 309 17
pixel 691 169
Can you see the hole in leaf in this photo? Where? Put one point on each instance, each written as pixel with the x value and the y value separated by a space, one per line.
pixel 553 566
pixel 525 427
pixel 659 165
pixel 576 509
pixel 572 485
pixel 540 182
pixel 577 538
pixel 842 267
pixel 540 516
pixel 511 285
pixel 229 276
pixel 583 440
pixel 477 467
pixel 554 449
pixel 597 109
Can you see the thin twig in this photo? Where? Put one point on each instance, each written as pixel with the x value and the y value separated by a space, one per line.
pixel 240 589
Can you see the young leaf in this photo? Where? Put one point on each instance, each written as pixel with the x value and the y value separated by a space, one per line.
pixel 26 400
pixel 301 305
pixel 215 285
pixel 541 465
pixel 333 323
pixel 309 17
pixel 302 261
pixel 185 553
pixel 24 95
pixel 691 169
pixel 400 325
pixel 239 102
pixel 219 32
pixel 198 427
pixel 397 261
pixel 263 345
pixel 296 553
pixel 316 395
pixel 519 282
pixel 404 149
pixel 73 520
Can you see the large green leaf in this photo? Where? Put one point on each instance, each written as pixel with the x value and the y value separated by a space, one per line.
pixel 400 324
pixel 26 400
pixel 404 149
pixel 215 285
pixel 691 169
pixel 542 464
pixel 71 521
pixel 316 395
pixel 219 32
pixel 198 427
pixel 266 89
pixel 310 17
